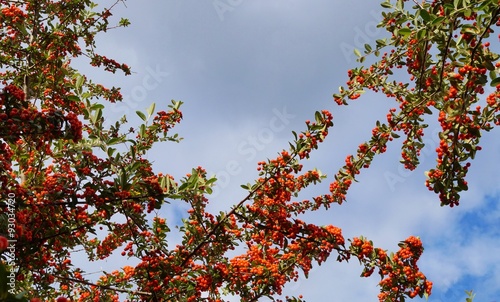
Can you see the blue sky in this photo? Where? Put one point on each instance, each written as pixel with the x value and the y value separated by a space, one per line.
pixel 249 73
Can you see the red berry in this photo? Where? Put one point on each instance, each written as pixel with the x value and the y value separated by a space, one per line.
pixel 4 243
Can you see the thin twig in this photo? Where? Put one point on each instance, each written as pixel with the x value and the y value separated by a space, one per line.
pixel 104 286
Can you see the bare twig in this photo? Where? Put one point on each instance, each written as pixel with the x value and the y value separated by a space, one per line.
pixel 134 292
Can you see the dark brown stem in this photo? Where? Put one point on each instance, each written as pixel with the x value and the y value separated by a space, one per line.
pixel 107 287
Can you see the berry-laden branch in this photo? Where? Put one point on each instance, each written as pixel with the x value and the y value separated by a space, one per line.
pixel 79 186
pixel 449 82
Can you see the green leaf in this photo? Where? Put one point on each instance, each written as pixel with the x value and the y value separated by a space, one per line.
pixel 73 98
pixel 142 130
pixel 164 183
pixel 386 4
pixel 421 34
pixel 381 42
pixel 176 104
pixel 210 181
pixel 405 32
pixel 97 116
pixel 151 109
pixel 470 29
pixel 79 81
pixel 425 15
pixel 113 141
pixel 357 53
pixel 400 4
pixel 495 82
pixel 470 296
pixel 493 74
pixel 437 21
pixel 111 151
pixel 22 28
pixel 96 106
pixel 318 117
pixel 141 115
pixel 489 66
pixel 183 186
pixel 123 178
pixel 368 48
pixel 124 22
